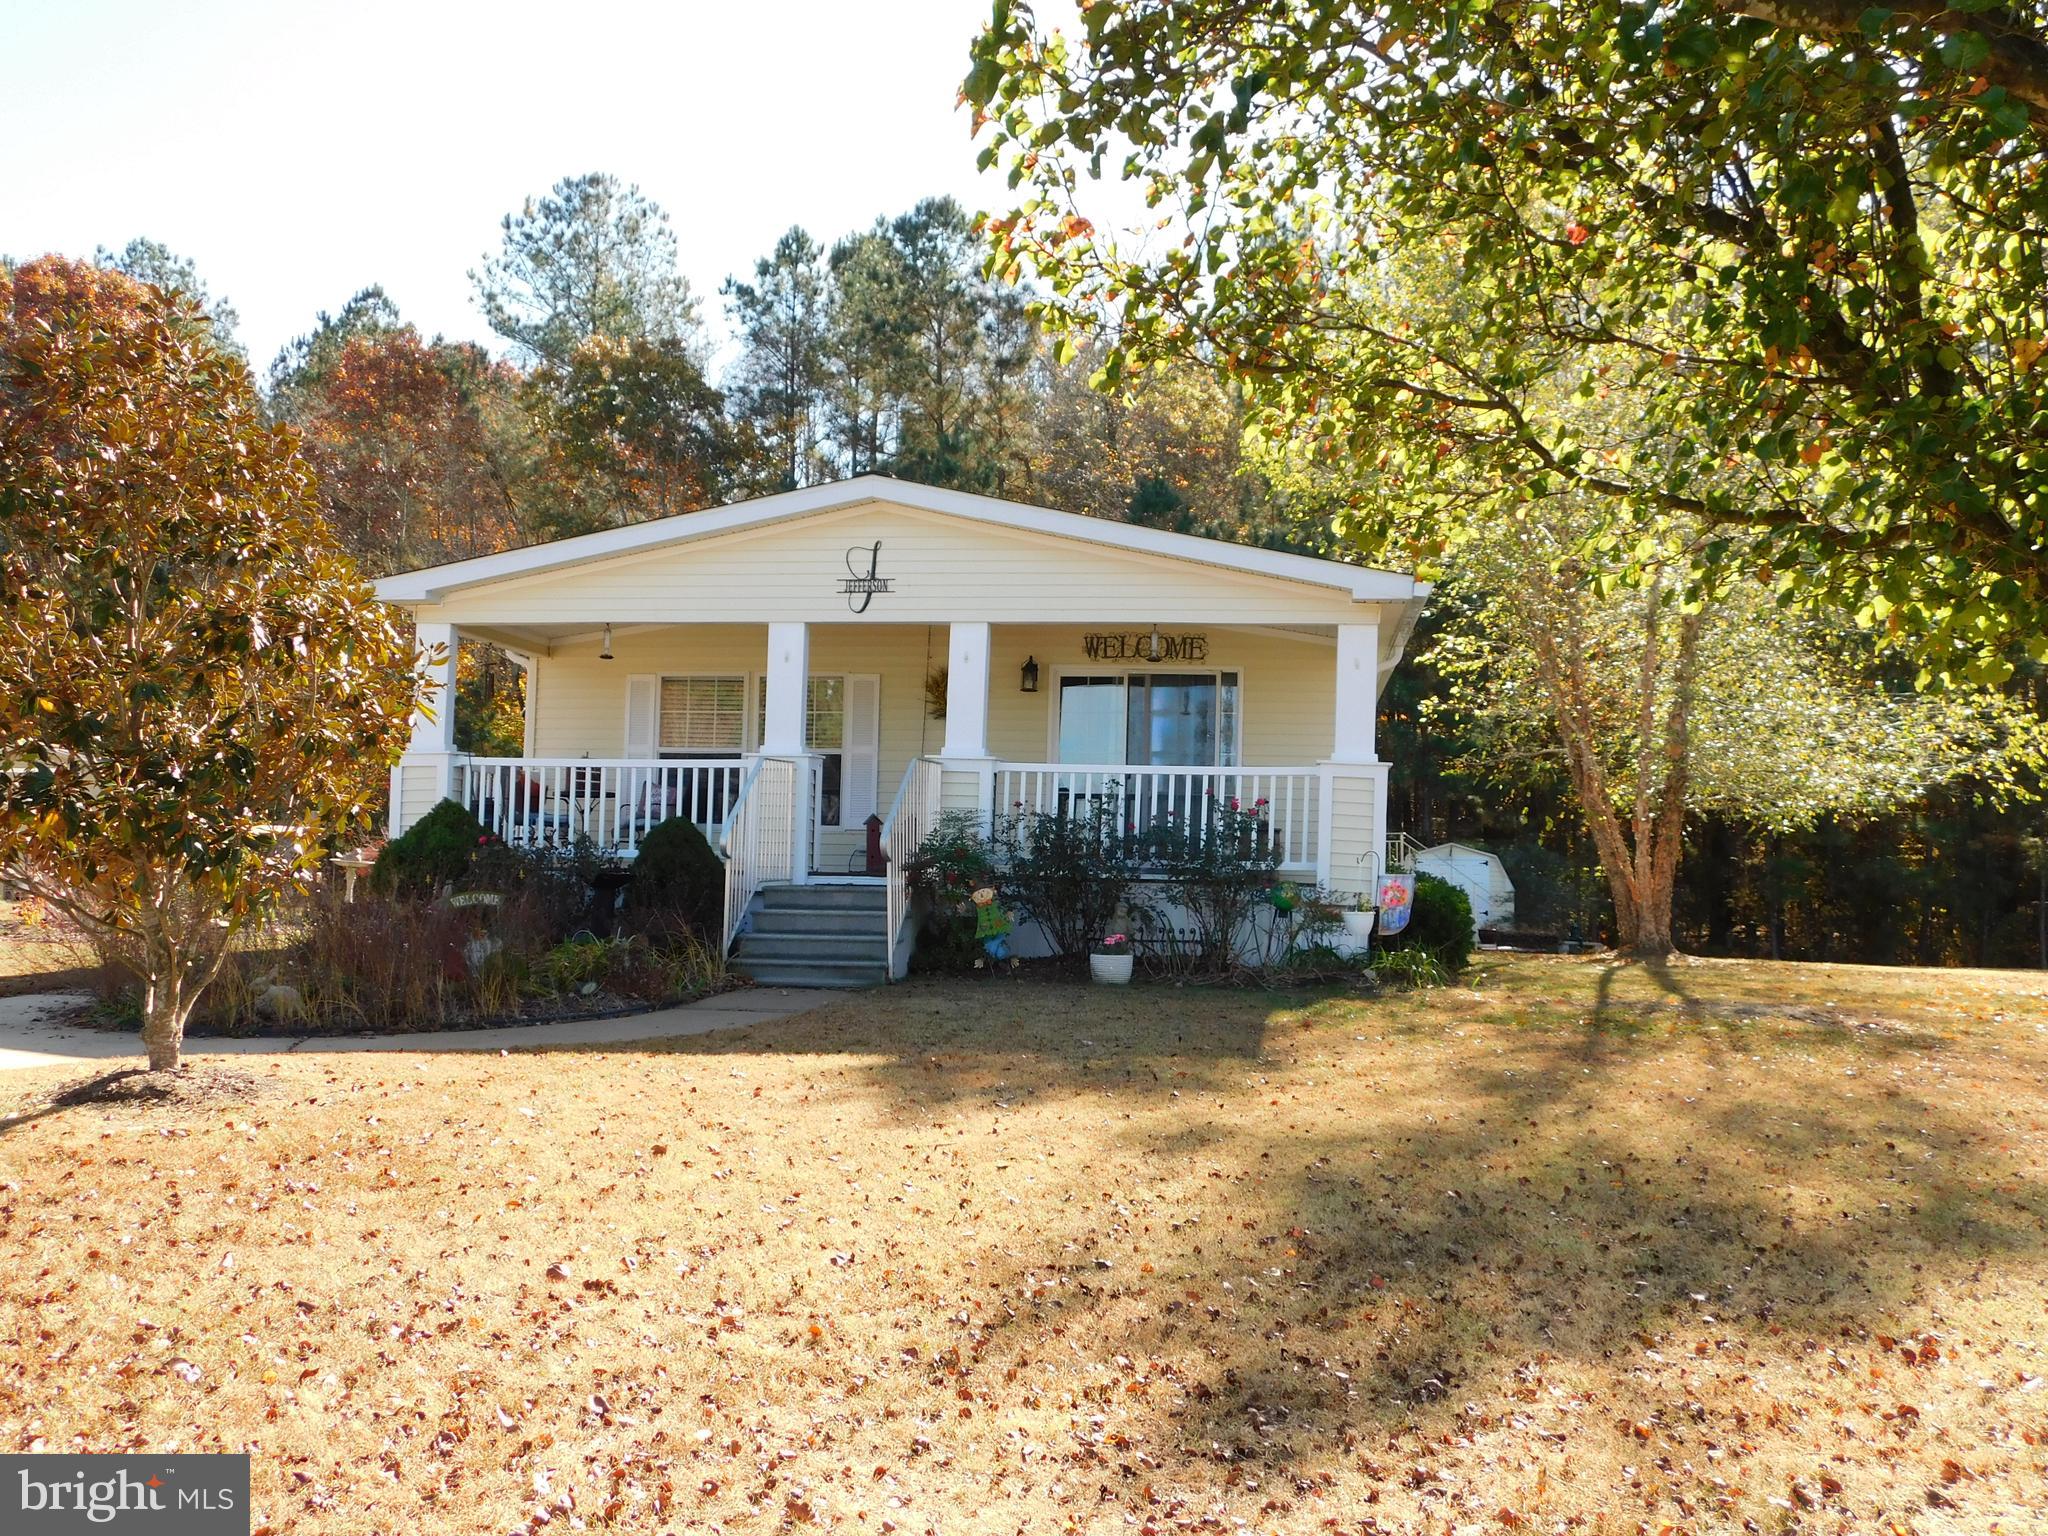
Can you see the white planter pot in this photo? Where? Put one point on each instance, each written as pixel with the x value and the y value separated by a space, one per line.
pixel 1358 931
pixel 1111 970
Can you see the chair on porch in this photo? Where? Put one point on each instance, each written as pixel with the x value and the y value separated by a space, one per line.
pixel 699 789
pixel 532 814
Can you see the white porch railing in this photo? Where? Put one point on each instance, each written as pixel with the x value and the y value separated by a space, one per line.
pixel 911 816
pixel 758 840
pixel 547 801
pixel 1150 797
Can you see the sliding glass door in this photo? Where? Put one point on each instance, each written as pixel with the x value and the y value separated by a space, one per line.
pixel 1149 719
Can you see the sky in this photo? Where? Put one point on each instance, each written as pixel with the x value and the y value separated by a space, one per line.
pixel 298 152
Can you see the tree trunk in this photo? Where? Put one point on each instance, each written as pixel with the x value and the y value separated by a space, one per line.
pixel 164 1011
pixel 1640 858
pixel 1667 835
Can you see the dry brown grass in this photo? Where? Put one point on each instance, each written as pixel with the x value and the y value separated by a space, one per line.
pixel 1724 1247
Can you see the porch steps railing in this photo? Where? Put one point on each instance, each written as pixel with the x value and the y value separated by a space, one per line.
pixel 911 817
pixel 758 840
pixel 1149 797
pixel 547 802
pixel 1401 852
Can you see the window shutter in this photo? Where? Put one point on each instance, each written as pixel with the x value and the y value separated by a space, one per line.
pixel 860 760
pixel 643 692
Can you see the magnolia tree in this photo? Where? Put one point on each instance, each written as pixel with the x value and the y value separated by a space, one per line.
pixel 198 693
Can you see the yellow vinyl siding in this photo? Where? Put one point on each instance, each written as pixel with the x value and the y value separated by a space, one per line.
pixel 416 793
pixel 1287 687
pixel 1354 841
pixel 939 569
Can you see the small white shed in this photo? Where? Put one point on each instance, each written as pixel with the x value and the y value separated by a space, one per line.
pixel 1479 875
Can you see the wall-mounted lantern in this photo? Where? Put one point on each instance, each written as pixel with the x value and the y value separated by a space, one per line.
pixel 1029 682
pixel 606 653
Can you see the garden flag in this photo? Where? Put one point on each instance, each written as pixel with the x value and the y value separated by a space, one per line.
pixel 1396 896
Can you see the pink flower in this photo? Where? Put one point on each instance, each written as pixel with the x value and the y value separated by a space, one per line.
pixel 1234 804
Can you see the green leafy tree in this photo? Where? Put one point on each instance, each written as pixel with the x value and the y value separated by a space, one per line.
pixel 964 347
pixel 198 693
pixel 777 385
pixel 1656 708
pixel 863 359
pixel 593 260
pixel 1809 234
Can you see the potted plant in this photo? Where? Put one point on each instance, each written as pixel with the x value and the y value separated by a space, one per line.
pixel 1111 960
pixel 1358 923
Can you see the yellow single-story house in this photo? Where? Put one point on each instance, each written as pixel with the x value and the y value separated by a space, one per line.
pixel 815 676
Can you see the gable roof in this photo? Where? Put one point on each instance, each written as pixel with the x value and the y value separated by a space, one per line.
pixel 433 583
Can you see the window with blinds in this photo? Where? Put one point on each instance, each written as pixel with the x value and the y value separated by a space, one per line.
pixel 824 713
pixel 703 714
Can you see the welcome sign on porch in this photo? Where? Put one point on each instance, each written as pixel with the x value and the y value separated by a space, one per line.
pixel 1145 647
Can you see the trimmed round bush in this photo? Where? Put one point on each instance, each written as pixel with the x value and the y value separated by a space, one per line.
pixel 1440 923
pixel 676 872
pixel 436 850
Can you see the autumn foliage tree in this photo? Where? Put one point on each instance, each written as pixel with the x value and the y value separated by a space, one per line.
pixel 630 430
pixel 407 439
pixel 198 692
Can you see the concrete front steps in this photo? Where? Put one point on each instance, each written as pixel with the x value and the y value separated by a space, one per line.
pixel 817 936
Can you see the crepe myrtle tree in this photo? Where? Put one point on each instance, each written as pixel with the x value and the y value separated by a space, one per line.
pixel 1811 235
pixel 198 692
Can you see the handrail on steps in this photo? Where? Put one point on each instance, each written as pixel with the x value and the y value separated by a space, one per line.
pixel 903 831
pixel 747 839
pixel 738 801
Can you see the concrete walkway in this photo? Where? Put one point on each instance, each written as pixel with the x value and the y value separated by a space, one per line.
pixel 32 1033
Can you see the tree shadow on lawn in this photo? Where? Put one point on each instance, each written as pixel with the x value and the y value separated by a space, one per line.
pixel 933 1044
pixel 1559 1206
pixel 138 1091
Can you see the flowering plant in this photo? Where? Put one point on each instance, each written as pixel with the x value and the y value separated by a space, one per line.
pixel 1113 944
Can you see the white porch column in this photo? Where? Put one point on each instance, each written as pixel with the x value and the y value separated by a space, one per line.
pixel 436 734
pixel 787 686
pixel 967 691
pixel 1357 704
pixel 1352 792
pixel 966 747
pixel 425 775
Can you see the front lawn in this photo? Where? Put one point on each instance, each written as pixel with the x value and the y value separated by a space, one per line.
pixel 1575 1247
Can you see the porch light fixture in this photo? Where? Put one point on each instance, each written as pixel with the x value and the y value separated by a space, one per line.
pixel 1029 681
pixel 606 653
pixel 1157 649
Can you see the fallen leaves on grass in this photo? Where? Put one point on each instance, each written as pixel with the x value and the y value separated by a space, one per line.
pixel 1519 1256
